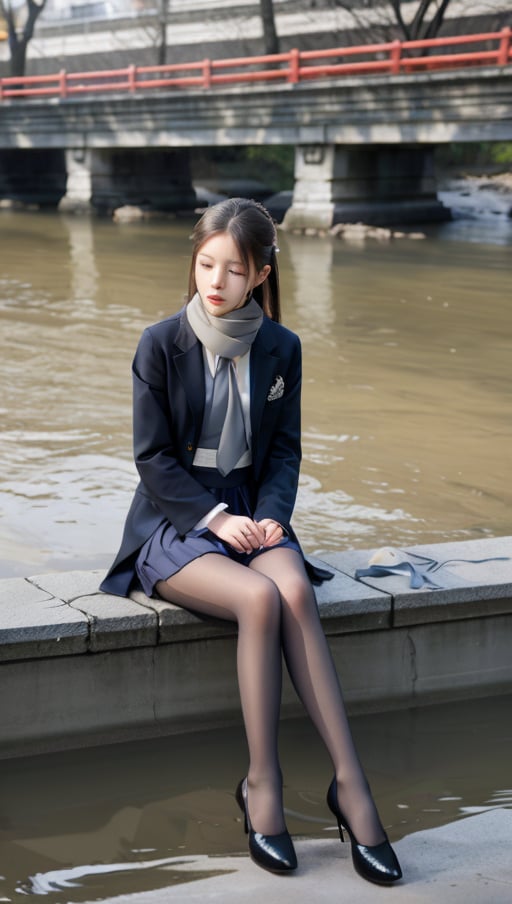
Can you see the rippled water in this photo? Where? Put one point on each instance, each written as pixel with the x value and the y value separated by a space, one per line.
pixel 407 431
pixel 90 824
pixel 406 401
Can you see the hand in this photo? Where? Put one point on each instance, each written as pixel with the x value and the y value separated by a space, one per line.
pixel 241 532
pixel 273 531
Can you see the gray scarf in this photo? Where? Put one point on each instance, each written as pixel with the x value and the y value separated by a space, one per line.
pixel 228 337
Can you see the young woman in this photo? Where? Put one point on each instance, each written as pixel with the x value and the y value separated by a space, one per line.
pixel 217 447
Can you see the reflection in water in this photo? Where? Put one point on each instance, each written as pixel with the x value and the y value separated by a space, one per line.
pixel 105 821
pixel 406 400
pixel 307 284
pixel 84 276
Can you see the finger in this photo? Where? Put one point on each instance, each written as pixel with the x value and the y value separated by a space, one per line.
pixel 276 539
pixel 267 525
pixel 250 542
pixel 254 535
pixel 238 544
pixel 246 544
pixel 271 540
pixel 274 534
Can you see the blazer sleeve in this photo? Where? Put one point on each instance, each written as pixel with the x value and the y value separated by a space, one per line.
pixel 159 415
pixel 279 473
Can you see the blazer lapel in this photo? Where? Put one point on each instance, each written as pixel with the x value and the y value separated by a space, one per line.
pixel 190 367
pixel 263 369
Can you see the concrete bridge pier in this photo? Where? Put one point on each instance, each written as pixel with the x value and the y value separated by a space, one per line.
pixel 79 180
pixel 107 178
pixel 375 184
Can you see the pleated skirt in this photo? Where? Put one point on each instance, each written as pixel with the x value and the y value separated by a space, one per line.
pixel 165 552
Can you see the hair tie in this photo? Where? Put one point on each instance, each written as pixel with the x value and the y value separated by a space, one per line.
pixel 268 250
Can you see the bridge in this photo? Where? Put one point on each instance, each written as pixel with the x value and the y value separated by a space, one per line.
pixel 364 122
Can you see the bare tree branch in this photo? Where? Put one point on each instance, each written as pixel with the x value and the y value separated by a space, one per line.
pixel 419 18
pixel 437 21
pixel 34 10
pixel 270 38
pixel 396 6
pixel 163 13
pixel 414 20
pixel 19 41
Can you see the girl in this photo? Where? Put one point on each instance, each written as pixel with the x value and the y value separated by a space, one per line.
pixel 217 447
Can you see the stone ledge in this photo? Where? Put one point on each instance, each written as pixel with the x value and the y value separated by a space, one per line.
pixel 65 614
pixel 62 614
pixel 33 621
pixel 345 605
pixel 80 667
pixel 112 622
pixel 469 590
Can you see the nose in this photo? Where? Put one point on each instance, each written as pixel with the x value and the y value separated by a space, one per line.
pixel 217 277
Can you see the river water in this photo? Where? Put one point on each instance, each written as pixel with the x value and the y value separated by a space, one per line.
pixel 89 824
pixel 407 432
pixel 406 401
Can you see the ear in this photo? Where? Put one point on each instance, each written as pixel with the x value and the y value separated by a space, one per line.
pixel 262 275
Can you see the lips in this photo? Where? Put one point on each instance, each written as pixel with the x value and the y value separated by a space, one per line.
pixel 215 299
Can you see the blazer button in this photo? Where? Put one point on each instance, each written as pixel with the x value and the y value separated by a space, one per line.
pixel 189 447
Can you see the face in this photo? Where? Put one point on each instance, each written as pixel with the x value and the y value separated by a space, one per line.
pixel 222 280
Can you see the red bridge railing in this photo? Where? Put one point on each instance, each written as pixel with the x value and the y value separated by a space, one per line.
pixel 392 58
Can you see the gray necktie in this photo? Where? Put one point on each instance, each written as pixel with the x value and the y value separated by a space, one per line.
pixel 226 417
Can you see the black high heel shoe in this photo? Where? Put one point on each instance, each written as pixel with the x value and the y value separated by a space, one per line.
pixel 377 863
pixel 273 852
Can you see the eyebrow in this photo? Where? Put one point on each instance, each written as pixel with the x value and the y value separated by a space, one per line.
pixel 209 256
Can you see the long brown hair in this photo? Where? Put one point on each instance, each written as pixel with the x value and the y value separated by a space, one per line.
pixel 252 229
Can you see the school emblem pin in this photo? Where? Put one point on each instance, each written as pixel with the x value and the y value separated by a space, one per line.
pixel 276 390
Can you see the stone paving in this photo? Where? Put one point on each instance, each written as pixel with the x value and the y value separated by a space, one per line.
pixel 464 862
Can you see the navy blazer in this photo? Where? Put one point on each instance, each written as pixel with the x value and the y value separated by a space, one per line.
pixel 168 403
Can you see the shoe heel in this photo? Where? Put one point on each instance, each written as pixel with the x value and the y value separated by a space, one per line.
pixel 241 803
pixel 376 863
pixel 273 852
pixel 332 803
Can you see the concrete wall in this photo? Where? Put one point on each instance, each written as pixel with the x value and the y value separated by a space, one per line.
pixel 79 667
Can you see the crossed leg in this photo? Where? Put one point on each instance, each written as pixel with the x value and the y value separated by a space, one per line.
pixel 215 585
